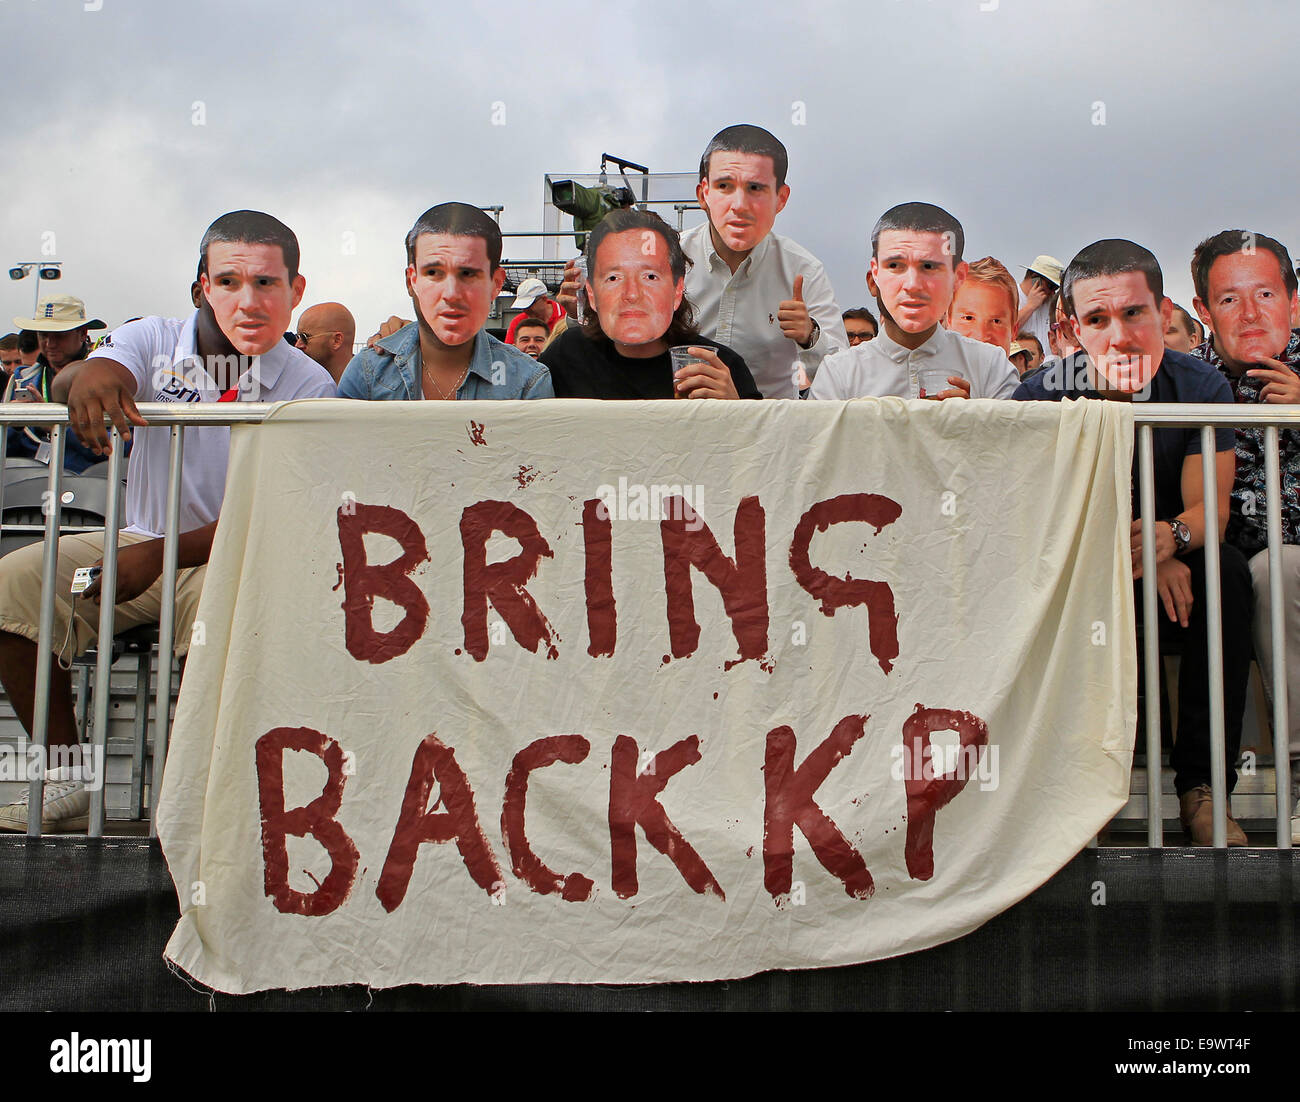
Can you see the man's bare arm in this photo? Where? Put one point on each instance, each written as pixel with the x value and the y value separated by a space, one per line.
pixel 1193 514
pixel 139 565
pixel 195 546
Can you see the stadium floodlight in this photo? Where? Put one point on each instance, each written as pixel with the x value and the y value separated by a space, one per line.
pixel 50 269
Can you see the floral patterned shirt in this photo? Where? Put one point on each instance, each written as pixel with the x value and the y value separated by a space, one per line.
pixel 1248 524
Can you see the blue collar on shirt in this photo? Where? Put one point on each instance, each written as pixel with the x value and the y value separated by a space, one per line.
pixel 404 347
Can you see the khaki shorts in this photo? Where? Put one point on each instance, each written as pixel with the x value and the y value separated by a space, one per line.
pixel 20 596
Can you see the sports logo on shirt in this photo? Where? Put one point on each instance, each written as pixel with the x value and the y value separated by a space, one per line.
pixel 190 380
pixel 173 384
pixel 174 388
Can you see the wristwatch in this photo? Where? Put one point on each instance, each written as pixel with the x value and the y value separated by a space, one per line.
pixel 816 332
pixel 1182 535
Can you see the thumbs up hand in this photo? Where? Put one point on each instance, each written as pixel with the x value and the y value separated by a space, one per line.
pixel 793 316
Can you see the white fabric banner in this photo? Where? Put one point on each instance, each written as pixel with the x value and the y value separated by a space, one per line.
pixel 624 692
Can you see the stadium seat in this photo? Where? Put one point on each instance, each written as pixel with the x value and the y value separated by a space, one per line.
pixel 139 642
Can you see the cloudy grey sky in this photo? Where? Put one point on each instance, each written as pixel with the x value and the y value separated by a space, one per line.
pixel 1042 124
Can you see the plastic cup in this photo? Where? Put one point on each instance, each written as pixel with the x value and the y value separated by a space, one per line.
pixel 682 357
pixel 933 381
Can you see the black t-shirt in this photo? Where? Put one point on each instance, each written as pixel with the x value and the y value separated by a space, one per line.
pixel 583 368
pixel 1180 378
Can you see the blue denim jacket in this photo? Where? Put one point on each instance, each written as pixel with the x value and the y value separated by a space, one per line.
pixel 391 372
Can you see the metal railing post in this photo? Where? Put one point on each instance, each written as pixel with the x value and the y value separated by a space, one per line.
pixel 45 632
pixel 1277 627
pixel 167 622
pixel 1150 638
pixel 104 644
pixel 1214 637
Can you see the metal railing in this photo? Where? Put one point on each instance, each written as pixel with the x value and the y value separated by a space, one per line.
pixel 1206 417
pixel 1147 418
pixel 56 418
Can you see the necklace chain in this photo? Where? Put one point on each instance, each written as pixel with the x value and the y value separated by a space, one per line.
pixel 443 394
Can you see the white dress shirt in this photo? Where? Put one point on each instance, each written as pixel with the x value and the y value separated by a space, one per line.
pixel 882 368
pixel 739 310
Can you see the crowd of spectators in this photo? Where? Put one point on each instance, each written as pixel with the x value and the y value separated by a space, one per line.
pixel 727 310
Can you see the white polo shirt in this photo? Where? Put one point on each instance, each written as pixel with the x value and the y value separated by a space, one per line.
pixel 160 353
pixel 882 368
pixel 739 309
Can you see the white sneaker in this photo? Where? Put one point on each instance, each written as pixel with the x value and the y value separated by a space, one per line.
pixel 66 807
